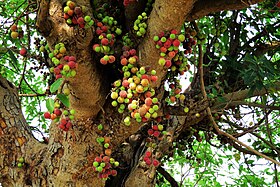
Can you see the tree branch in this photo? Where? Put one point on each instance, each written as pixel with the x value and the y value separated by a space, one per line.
pixel 271 107
pixel 165 16
pixel 205 7
pixel 167 176
pixel 222 133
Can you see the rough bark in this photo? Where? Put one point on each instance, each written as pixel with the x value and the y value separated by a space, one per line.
pixel 16 139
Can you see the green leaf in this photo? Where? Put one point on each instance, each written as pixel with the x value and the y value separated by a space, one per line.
pixel 50 104
pixel 14 59
pixel 64 99
pixel 54 87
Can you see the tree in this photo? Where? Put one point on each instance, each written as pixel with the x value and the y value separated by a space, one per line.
pixel 109 73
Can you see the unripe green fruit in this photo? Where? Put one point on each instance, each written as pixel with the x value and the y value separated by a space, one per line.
pixel 153 72
pixel 142 30
pixel 87 18
pixel 65 112
pixel 99 169
pixel 172 36
pixel 118 31
pixel 71 117
pixel 66 9
pixel 116 163
pixel 106 145
pixel 20 165
pixel 114 103
pixel 72 111
pixel 95 164
pixel 114 95
pixel 126 119
pixel 163 39
pixel 69 21
pixel 100 127
pixel 186 109
pixel 73 73
pixel 155 107
pixel 155 100
pixel 181 37
pixel 66 68
pixel 21 159
pixel 160 127
pixel 42 49
pixel 66 91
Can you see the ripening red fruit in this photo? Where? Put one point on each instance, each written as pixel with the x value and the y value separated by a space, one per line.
pixel 72 64
pixel 98 159
pixel 61 126
pixel 168 63
pixel 112 59
pixel 123 93
pixel 125 83
pixel 148 154
pixel 58 76
pixel 104 41
pixel 114 172
pixel 23 52
pixel 148 101
pixel 13 28
pixel 72 58
pixel 176 43
pixel 167 44
pixel 154 78
pixel 106 159
pixel 53 116
pixel 47 115
pixel 124 61
pixel 163 49
pixel 57 112
pixel 81 21
pixel 174 31
pixel 108 152
pixel 56 71
pixel 172 99
pixel 66 16
pixel 155 127
pixel 132 52
pixel 63 121
pixel 150 132
pixel 104 28
pixel 171 54
pixel 148 162
pixel 156 133
pixel 156 163
pixel 103 61
pixel 68 125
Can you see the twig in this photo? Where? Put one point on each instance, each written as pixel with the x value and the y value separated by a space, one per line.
pixel 276 175
pixel 32 95
pixel 212 119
